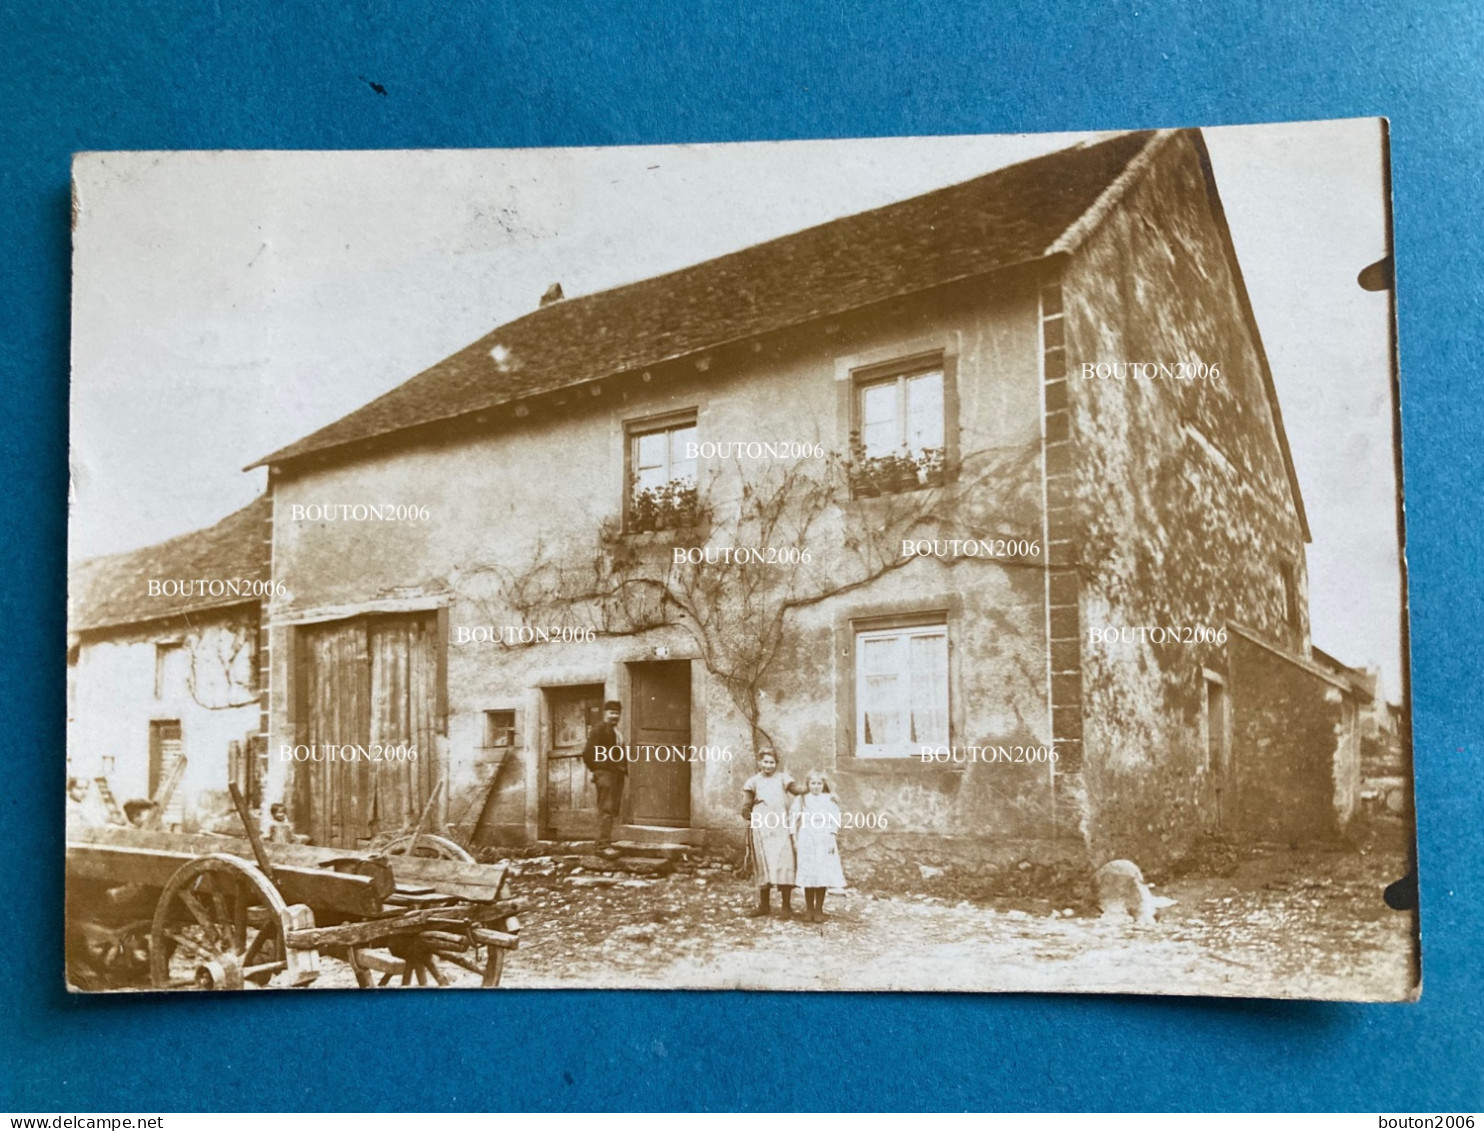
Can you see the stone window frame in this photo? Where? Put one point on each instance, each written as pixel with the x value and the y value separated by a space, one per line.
pixel 164 650
pixel 516 730
pixel 932 630
pixel 642 426
pixel 903 359
pixel 946 608
pixel 1288 575
pixel 1208 677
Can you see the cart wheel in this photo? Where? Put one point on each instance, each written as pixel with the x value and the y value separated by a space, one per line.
pixel 431 847
pixel 217 926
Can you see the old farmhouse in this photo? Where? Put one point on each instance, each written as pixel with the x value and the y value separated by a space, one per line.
pixel 941 371
pixel 158 672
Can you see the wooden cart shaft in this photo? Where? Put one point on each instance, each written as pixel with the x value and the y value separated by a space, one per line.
pixel 472 882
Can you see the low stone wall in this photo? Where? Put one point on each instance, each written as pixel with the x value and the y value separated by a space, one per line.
pixel 1292 770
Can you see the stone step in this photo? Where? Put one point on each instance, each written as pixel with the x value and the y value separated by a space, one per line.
pixel 563 847
pixel 659 834
pixel 644 865
pixel 658 850
pixel 634 865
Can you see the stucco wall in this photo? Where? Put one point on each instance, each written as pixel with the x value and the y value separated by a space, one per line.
pixel 1183 511
pixel 114 702
pixel 543 485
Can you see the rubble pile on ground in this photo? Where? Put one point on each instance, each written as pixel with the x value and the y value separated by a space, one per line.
pixel 624 863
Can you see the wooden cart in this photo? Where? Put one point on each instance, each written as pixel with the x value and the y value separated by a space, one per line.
pixel 222 913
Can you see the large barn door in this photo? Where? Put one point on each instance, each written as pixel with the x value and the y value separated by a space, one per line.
pixel 333 711
pixel 365 685
pixel 404 698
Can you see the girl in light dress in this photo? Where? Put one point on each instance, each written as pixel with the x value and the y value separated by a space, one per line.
pixel 765 808
pixel 816 819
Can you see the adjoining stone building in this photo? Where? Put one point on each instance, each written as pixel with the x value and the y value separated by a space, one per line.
pixel 163 662
pixel 942 371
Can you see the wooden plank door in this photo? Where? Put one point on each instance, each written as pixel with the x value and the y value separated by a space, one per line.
pixel 404 706
pixel 659 781
pixel 371 684
pixel 166 747
pixel 334 710
pixel 569 801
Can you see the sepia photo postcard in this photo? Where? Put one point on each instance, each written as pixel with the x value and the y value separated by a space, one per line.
pixel 948 564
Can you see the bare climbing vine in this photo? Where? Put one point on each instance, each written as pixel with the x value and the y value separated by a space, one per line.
pixel 221 668
pixel 736 609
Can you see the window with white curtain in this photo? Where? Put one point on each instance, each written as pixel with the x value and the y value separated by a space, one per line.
pixel 901 696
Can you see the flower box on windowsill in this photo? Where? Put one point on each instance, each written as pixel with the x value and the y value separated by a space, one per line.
pixel 873 476
pixel 673 506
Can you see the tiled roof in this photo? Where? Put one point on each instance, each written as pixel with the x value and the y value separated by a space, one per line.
pixel 1010 216
pixel 1362 681
pixel 114 590
pixel 1307 663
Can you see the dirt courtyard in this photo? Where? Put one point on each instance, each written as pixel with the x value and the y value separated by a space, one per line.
pixel 1306 923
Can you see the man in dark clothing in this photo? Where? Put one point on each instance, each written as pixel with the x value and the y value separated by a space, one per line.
pixel 604 756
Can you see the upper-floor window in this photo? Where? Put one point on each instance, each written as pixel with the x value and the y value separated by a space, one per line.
pixel 170 669
pixel 662 491
pixel 899 430
pixel 901 690
pixel 1291 611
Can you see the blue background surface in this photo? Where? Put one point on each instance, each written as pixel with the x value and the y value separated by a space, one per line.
pixel 128 74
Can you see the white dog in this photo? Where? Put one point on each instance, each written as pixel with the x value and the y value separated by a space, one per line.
pixel 1122 891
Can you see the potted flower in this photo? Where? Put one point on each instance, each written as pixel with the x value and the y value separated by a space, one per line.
pixel 664 506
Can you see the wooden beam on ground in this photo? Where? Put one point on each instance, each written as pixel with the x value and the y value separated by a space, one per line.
pixel 358 934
